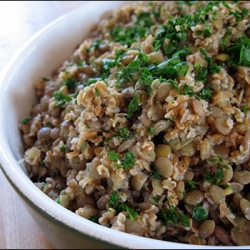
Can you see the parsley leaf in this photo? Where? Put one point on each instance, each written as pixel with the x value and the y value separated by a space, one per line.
pixel 129 71
pixel 61 98
pixel 92 80
pixel 212 66
pixel 240 14
pixel 184 219
pixel 113 156
pixel 145 79
pixel 124 133
pixel 187 90
pixel 216 177
pixel 168 216
pixel 190 185
pixel 199 213
pixel 171 216
pixel 151 130
pixel 94 218
pixel 239 52
pixel 140 29
pixel 206 94
pixel 63 148
pixel 133 106
pixel 244 109
pixel 128 160
pixel 132 212
pixel 83 146
pixel 95 44
pixel 155 174
pixel 45 79
pixel 26 120
pixel 70 83
pixel 110 63
pixel 224 39
pixel 114 199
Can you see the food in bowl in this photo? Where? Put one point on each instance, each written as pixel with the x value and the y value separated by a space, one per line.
pixel 145 129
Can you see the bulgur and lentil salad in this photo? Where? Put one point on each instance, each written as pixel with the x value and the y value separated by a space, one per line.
pixel 146 128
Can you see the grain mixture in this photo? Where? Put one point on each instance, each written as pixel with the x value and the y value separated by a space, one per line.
pixel 146 129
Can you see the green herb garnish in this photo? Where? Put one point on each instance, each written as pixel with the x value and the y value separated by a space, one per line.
pixel 128 160
pixel 151 130
pixel 199 213
pixel 132 212
pixel 94 218
pixel 171 216
pixel 133 106
pixel 114 199
pixel 212 66
pixel 239 52
pixel 191 185
pixel 62 148
pixel 26 120
pixel 61 98
pixel 113 156
pixel 70 83
pixel 83 146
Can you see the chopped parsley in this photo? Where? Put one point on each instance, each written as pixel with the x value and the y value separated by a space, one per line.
pixel 205 94
pixel 199 213
pixel 113 156
pixel 114 199
pixel 169 31
pixel 223 41
pixel 92 80
pixel 128 160
pixel 94 218
pixel 187 90
pixel 151 130
pixel 212 66
pixel 70 83
pixel 216 177
pixel 201 73
pixel 97 92
pixel 26 120
pixel 131 70
pixel 111 63
pixel 45 79
pixel 240 14
pixel 96 45
pixel 171 217
pixel 62 148
pixel 206 32
pixel 133 106
pixel 124 134
pixel 173 67
pixel 129 35
pixel 83 146
pixel 244 109
pixel 120 207
pixel 155 173
pixel 156 198
pixel 216 159
pixel 191 185
pixel 239 52
pixel 132 212
pixel 61 98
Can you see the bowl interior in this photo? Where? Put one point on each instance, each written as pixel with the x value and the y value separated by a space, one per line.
pixel 38 58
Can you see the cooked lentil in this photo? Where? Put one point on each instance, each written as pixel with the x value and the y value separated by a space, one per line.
pixel 145 129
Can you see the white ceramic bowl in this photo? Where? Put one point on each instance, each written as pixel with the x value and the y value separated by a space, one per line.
pixel 39 57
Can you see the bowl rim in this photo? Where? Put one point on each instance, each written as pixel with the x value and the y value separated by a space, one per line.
pixel 45 205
